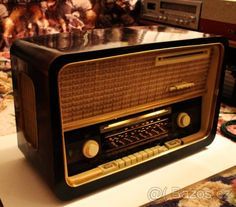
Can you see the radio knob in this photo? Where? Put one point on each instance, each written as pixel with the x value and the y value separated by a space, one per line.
pixel 165 18
pixel 90 149
pixel 183 120
pixel 160 17
pixel 192 18
pixel 181 21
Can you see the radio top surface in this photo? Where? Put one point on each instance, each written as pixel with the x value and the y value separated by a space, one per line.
pixel 111 38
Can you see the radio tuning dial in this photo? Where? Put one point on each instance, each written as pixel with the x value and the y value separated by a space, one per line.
pixel 183 120
pixel 90 149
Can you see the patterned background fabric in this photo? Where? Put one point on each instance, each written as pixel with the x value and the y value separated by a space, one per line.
pixel 25 18
pixel 217 191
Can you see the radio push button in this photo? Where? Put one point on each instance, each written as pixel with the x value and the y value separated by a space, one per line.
pixel 149 152
pixel 173 143
pixel 109 167
pixel 90 149
pixel 138 156
pixel 127 161
pixel 144 154
pixel 121 163
pixel 162 149
pixel 155 150
pixel 133 159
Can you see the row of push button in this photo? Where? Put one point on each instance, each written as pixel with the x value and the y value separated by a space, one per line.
pixel 122 163
pixel 139 156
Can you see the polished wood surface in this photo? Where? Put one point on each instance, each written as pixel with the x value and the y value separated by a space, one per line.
pixel 102 39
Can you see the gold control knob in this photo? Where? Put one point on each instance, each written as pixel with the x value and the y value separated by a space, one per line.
pixel 90 148
pixel 183 120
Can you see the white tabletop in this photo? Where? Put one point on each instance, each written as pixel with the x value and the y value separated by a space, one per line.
pixel 20 185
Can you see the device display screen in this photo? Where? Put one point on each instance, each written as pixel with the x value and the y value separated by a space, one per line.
pixel 178 7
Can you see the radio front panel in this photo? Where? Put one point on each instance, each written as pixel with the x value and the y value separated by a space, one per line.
pixel 155 127
pixel 116 109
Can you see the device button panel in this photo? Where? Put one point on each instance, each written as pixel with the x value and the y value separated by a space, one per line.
pixel 144 154
pixel 124 162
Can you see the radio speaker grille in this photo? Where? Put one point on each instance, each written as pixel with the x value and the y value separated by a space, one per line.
pixel 29 110
pixel 106 85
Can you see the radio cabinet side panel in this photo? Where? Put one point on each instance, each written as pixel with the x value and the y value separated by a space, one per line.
pixel 33 116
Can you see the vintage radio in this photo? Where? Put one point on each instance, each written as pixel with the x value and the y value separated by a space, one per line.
pixel 182 13
pixel 95 107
